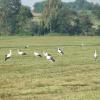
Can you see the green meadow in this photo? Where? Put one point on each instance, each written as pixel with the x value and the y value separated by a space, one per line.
pixel 73 76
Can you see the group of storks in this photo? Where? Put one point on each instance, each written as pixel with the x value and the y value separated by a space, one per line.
pixel 48 56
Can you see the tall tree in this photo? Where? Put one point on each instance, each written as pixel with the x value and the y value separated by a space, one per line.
pixel 57 19
pixel 96 11
pixel 10 9
pixel 24 20
pixel 85 23
pixel 39 6
pixel 51 14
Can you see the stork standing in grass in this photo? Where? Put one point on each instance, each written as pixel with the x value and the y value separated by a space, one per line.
pixel 95 55
pixel 21 52
pixel 60 51
pixel 7 56
pixel 37 54
pixel 50 58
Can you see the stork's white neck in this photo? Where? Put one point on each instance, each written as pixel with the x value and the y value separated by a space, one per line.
pixel 10 51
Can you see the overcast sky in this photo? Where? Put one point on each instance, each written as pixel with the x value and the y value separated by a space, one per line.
pixel 30 3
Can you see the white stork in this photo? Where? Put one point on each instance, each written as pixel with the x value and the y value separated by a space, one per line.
pixel 60 51
pixel 7 56
pixel 95 55
pixel 50 58
pixel 37 54
pixel 21 52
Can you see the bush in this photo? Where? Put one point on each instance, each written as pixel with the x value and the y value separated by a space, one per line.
pixel 98 31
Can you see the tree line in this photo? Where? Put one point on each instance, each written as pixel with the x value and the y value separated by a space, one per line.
pixel 14 17
pixel 57 18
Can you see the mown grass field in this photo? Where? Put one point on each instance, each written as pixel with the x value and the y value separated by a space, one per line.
pixel 74 76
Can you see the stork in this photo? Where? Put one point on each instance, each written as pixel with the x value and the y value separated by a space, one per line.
pixel 37 54
pixel 60 51
pixel 21 52
pixel 95 55
pixel 7 56
pixel 50 58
